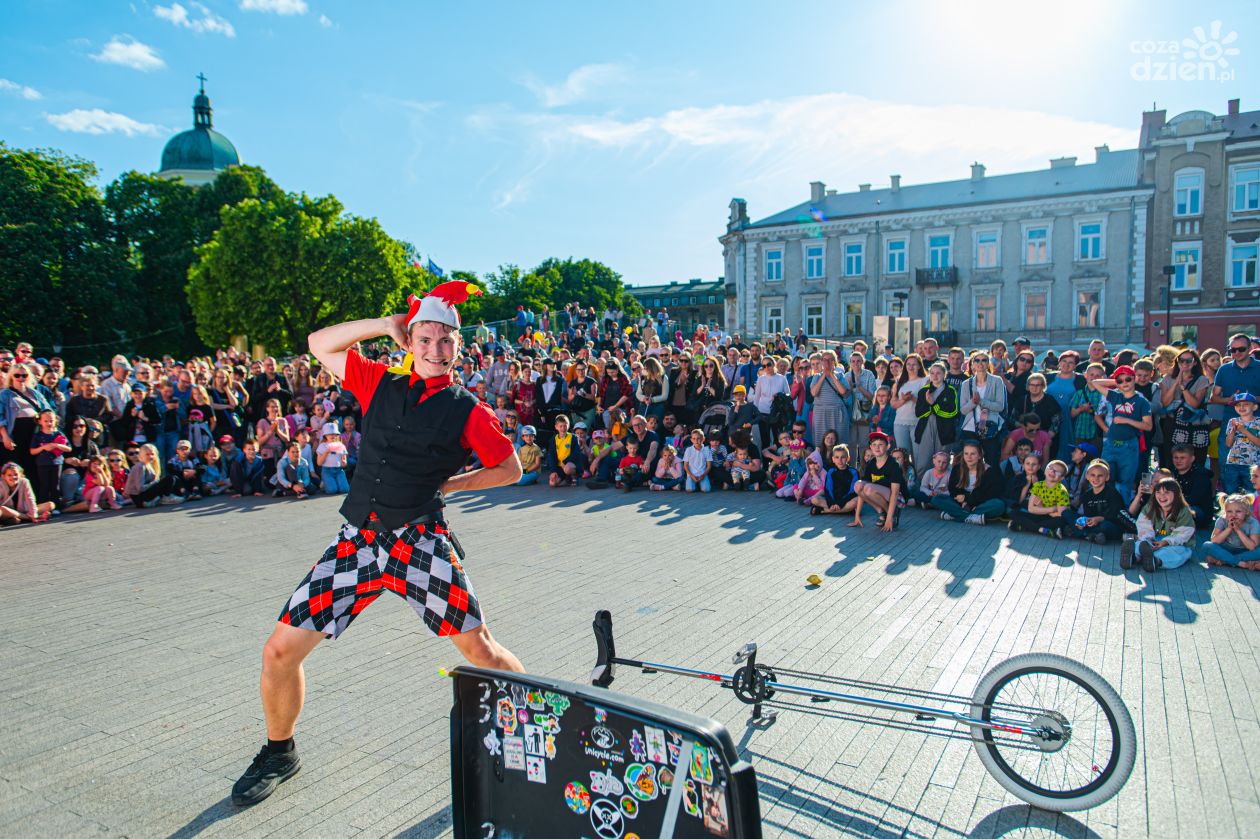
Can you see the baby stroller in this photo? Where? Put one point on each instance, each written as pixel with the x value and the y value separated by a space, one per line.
pixel 714 419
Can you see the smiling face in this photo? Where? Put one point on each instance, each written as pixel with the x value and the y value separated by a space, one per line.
pixel 434 347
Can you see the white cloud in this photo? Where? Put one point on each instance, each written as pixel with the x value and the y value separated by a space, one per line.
pixel 130 53
pixel 325 22
pixel 97 121
pixel 785 143
pixel 578 85
pixel 208 21
pixel 21 90
pixel 278 7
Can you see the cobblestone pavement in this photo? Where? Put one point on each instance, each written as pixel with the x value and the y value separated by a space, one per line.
pixel 129 698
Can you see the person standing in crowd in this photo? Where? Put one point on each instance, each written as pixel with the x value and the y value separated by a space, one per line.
pixel 267 385
pixel 1242 441
pixel 861 383
pixel 20 407
pixel 1130 417
pixel 582 394
pixel 1196 486
pixel 615 391
pixel 905 398
pixel 74 469
pixel 1062 387
pixel 652 390
pixel 48 449
pixel 982 404
pixel 1097 353
pixel 831 400
pixel 117 392
pixel 272 436
pixel 549 396
pixel 936 406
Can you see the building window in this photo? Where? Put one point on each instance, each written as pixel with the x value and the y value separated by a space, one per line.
pixel 774 264
pixel 774 319
pixel 1246 189
pixel 853 317
pixel 1188 192
pixel 939 251
pixel 1036 246
pixel 1089 240
pixel 1185 332
pixel 854 259
pixel 814 319
pixel 938 315
pixel 894 306
pixel 896 256
pixel 1242 265
pixel 1185 258
pixel 986 312
pixel 1242 328
pixel 987 249
pixel 1036 305
pixel 1088 308
pixel 712 299
pixel 814 262
pixel 691 300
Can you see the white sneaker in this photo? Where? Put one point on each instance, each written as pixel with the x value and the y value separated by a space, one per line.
pixel 975 518
pixel 171 500
pixel 946 517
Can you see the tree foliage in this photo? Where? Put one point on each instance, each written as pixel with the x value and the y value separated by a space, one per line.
pixel 65 284
pixel 278 269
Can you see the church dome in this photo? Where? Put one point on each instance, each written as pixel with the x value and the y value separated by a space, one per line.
pixel 200 153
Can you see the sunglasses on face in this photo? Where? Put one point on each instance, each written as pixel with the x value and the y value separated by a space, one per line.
pixel 19 375
pixel 1185 361
pixel 1125 379
pixel 133 454
pixel 115 460
pixel 1237 350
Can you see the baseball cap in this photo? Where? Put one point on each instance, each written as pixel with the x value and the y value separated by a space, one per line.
pixel 1123 370
pixel 739 389
pixel 599 434
pixel 227 438
pixel 1243 396
pixel 1022 340
pixel 579 424
pixel 877 435
pixel 1089 449
pixel 140 386
pixel 529 429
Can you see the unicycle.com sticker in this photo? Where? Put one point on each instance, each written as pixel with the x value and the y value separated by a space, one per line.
pixel 1202 56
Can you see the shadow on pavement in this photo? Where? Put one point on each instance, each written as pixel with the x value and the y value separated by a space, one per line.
pixel 430 827
pixel 216 812
pixel 1017 818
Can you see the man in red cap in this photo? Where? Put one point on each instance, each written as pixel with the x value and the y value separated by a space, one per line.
pixel 881 486
pixel 419 428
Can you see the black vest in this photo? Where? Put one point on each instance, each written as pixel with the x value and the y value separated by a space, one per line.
pixel 407 452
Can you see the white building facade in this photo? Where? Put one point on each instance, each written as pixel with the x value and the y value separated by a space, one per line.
pixel 1057 255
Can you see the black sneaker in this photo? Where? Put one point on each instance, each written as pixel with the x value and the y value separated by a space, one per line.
pixel 268 771
pixel 1126 553
pixel 1147 554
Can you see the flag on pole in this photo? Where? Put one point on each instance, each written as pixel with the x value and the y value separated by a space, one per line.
pixel 434 269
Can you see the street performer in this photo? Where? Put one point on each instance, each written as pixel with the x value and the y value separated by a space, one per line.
pixel 418 430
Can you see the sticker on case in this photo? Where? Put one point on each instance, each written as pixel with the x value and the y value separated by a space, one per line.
pixel 514 752
pixel 715 820
pixel 576 797
pixel 536 769
pixel 506 716
pixel 655 744
pixel 557 702
pixel 549 747
pixel 550 722
pixel 533 740
pixel 629 807
pixel 606 819
pixel 641 781
pixel 637 747
pixel 492 742
pixel 606 783
pixel 691 798
pixel 534 699
pixel 701 765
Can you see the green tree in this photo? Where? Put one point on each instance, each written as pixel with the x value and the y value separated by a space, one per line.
pixel 587 282
pixel 276 270
pixel 161 222
pixel 65 284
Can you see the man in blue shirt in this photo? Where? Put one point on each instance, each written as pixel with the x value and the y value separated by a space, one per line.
pixel 1240 374
pixel 1131 416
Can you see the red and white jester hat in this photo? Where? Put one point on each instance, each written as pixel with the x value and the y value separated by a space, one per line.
pixel 439 304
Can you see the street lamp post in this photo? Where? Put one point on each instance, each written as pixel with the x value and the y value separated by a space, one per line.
pixel 901 297
pixel 1169 272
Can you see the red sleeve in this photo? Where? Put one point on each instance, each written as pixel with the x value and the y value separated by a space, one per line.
pixel 483 435
pixel 362 377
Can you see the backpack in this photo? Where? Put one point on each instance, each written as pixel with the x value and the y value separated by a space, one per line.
pixel 782 411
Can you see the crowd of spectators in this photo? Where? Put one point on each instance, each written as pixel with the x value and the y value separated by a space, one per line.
pixel 1159 449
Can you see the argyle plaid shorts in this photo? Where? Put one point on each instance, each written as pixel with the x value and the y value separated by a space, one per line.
pixel 415 562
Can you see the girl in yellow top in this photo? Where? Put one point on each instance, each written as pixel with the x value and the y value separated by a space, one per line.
pixel 1048 501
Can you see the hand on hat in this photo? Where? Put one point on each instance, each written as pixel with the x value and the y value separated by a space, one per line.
pixel 396 328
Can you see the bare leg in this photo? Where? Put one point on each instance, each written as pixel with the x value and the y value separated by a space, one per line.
pixel 482 650
pixel 283 683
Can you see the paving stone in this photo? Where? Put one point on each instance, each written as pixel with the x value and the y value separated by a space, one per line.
pixel 132 654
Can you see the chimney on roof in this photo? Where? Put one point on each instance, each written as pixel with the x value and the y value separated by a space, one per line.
pixel 1100 151
pixel 895 181
pixel 1233 107
pixel 977 171
pixel 864 187
pixel 1062 162
pixel 817 189
pixel 1152 122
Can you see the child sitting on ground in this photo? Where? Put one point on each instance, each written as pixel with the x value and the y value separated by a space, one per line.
pixel 907 468
pixel 1047 501
pixel 530 456
pixel 837 495
pixel 669 471
pixel 98 488
pixel 812 483
pixel 214 473
pixel 630 467
pixel 1165 529
pixel 935 481
pixel 745 469
pixel 1236 538
pixel 796 469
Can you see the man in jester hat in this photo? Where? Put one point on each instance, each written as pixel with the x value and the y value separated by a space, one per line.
pixel 419 427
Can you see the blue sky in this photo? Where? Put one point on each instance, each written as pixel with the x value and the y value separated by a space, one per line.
pixel 508 132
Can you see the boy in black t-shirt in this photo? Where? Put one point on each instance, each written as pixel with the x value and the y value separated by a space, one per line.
pixel 881 486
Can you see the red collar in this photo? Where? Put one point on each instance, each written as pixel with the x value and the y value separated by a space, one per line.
pixel 436 383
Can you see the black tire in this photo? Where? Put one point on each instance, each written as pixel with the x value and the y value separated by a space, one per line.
pixel 1081 769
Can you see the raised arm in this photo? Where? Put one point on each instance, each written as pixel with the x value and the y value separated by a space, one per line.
pixel 331 343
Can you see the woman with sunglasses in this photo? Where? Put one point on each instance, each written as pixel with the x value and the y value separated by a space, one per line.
pixel 20 404
pixel 910 377
pixel 682 389
pixel 1183 393
pixel 710 386
pixel 1210 359
pixel 75 465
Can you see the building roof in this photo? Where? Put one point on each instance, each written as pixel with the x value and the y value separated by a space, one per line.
pixel 201 147
pixel 1113 170
pixel 676 287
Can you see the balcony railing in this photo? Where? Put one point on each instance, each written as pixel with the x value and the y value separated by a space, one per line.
pixel 936 276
